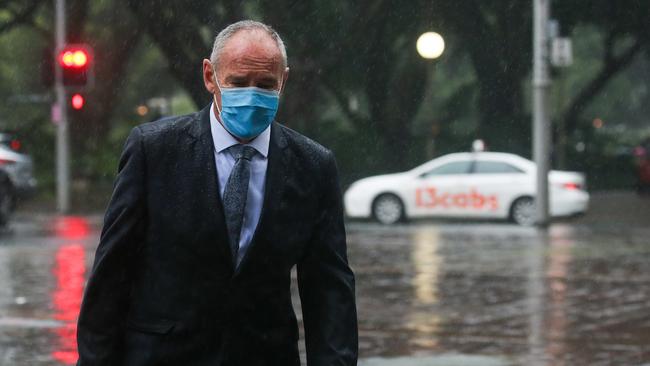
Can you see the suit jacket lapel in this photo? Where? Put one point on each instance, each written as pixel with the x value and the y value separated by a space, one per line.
pixel 276 175
pixel 208 182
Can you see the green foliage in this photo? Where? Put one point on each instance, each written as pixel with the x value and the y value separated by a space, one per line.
pixel 357 84
pixel 26 104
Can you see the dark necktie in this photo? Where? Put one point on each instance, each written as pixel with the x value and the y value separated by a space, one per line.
pixel 234 195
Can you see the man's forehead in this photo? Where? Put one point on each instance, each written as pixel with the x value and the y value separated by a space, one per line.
pixel 247 44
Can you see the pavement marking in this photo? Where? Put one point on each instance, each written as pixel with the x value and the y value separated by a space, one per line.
pixel 437 360
pixel 29 323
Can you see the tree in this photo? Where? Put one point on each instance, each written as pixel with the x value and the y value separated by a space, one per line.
pixel 356 82
pixel 362 54
pixel 17 12
pixel 178 28
pixel 114 35
pixel 338 51
pixel 623 25
pixel 113 46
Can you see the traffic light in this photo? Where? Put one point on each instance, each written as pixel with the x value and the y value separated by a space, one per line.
pixel 77 101
pixel 76 61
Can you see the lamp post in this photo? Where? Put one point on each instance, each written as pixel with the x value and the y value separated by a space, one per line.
pixel 62 148
pixel 430 46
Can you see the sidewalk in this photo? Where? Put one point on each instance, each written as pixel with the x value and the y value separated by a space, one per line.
pixel 438 360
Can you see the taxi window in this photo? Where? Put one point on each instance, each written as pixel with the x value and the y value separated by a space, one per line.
pixel 456 167
pixel 495 167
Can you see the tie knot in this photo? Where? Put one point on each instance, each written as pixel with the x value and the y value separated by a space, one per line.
pixel 243 152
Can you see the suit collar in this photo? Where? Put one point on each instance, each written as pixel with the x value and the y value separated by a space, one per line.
pixel 200 126
pixel 207 180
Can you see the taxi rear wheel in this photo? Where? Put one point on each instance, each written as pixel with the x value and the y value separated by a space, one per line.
pixel 388 209
pixel 522 211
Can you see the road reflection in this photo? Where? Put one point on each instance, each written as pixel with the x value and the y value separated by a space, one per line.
pixel 575 295
pixel 69 272
pixel 426 262
pixel 70 227
pixel 426 265
pixel 535 294
pixel 570 295
pixel 557 271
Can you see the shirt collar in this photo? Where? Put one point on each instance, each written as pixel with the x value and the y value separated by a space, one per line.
pixel 223 139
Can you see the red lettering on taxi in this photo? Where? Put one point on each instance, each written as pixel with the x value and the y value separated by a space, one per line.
pixel 430 197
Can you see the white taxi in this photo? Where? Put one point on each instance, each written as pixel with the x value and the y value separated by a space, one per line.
pixel 469 185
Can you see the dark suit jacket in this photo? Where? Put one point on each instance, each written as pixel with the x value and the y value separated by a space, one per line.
pixel 163 288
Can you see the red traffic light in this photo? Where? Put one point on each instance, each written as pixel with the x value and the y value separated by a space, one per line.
pixel 74 58
pixel 76 62
pixel 77 101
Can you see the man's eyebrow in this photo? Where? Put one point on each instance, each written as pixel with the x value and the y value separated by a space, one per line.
pixel 235 77
pixel 269 79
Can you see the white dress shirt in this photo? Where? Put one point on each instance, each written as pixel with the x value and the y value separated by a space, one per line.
pixel 225 162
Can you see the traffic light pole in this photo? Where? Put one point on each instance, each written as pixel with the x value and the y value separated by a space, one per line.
pixel 62 153
pixel 541 123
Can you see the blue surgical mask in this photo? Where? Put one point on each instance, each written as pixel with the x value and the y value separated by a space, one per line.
pixel 247 112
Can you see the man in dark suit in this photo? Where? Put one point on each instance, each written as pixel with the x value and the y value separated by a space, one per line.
pixel 209 214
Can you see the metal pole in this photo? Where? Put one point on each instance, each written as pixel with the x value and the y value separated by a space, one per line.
pixel 561 144
pixel 62 155
pixel 541 125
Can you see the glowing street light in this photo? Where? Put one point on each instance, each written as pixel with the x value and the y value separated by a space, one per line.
pixel 430 45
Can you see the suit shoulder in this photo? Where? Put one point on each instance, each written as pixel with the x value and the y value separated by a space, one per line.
pixel 303 145
pixel 168 125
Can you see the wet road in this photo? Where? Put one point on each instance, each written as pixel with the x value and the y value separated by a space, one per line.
pixel 448 293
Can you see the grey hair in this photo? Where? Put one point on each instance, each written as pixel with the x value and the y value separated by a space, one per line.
pixel 229 31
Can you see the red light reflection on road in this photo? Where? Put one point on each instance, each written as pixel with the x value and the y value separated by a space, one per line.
pixel 69 272
pixel 71 227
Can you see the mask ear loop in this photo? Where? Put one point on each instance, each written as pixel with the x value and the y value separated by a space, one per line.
pixel 214 96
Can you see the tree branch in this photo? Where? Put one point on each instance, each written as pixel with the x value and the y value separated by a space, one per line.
pixel 608 48
pixel 177 34
pixel 611 66
pixel 22 17
pixel 342 101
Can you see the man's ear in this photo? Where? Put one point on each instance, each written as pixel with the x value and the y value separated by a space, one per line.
pixel 285 76
pixel 208 77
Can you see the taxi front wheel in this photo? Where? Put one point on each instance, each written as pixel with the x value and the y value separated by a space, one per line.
pixel 388 209
pixel 522 211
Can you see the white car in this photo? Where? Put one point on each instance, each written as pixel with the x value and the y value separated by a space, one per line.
pixel 16 176
pixel 469 185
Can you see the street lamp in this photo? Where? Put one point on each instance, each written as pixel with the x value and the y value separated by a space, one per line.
pixel 430 45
